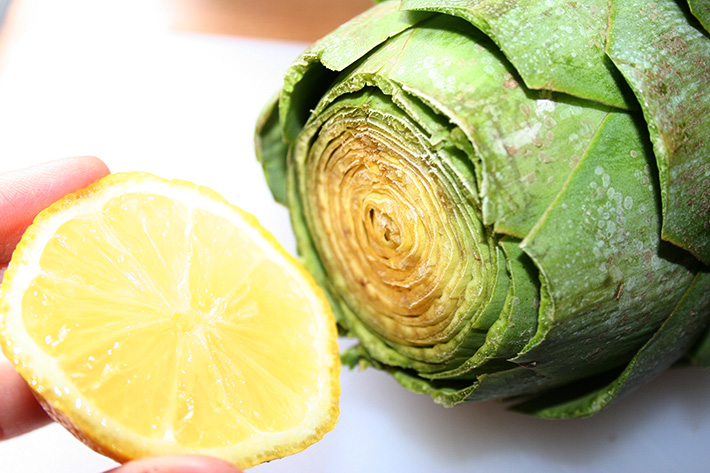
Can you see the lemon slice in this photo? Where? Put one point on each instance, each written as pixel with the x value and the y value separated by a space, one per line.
pixel 152 317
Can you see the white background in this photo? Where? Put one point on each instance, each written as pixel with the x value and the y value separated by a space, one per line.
pixel 184 106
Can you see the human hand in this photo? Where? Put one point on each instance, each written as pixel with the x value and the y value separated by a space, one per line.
pixel 23 194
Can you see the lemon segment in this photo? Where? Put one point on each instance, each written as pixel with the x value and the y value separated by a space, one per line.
pixel 153 317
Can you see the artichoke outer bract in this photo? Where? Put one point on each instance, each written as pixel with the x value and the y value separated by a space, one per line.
pixel 505 199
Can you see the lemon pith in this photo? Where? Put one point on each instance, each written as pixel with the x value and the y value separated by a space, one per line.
pixel 156 318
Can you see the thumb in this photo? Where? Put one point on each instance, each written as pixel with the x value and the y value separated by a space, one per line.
pixel 177 464
pixel 24 192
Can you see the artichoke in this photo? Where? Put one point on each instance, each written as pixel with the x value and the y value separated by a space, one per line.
pixel 506 199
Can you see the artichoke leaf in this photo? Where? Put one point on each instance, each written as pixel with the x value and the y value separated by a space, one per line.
pixel 563 52
pixel 311 74
pixel 701 11
pixel 499 385
pixel 271 150
pixel 666 60
pixel 615 282
pixel 675 336
pixel 700 353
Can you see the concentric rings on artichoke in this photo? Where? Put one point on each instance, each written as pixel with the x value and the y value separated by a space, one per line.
pixel 384 211
pixel 505 198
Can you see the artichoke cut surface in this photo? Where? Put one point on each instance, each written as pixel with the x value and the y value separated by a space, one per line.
pixel 505 199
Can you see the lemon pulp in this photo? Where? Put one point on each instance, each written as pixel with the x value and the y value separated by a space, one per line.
pixel 150 324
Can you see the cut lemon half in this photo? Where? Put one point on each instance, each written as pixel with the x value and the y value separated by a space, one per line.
pixel 152 317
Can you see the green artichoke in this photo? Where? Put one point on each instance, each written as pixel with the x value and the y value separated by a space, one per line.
pixel 506 198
